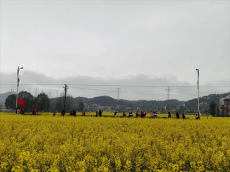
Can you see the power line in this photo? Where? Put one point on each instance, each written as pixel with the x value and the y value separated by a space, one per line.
pixel 183 93
pixel 130 91
pixel 127 85
pixel 118 94
pixel 92 89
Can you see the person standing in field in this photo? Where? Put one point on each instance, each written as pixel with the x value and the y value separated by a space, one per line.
pixel 18 111
pixel 74 112
pixel 130 114
pixel 100 112
pixel 63 112
pixel 139 114
pixel 115 113
pixel 177 115
pixel 183 115
pixel 22 111
pixel 83 113
pixel 169 115
pixel 142 114
pixel 54 113
pixel 96 113
pixel 90 113
pixel 34 111
pixel 152 114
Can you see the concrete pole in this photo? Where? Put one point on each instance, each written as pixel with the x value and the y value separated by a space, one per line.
pixel 198 93
pixel 17 92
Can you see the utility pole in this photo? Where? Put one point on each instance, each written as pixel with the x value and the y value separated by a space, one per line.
pixel 65 89
pixel 118 93
pixel 36 92
pixel 198 93
pixel 168 93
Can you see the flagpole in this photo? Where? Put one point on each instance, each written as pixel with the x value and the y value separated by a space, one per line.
pixel 17 88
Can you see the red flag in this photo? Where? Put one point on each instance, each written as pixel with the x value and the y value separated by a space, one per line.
pixel 20 101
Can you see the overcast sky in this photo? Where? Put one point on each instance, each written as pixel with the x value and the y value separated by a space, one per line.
pixel 132 43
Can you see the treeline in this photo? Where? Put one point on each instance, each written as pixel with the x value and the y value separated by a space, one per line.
pixel 42 103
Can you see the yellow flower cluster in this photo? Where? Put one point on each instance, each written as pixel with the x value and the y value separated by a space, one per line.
pixel 47 143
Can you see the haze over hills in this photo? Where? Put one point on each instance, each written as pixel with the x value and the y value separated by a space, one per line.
pixel 3 97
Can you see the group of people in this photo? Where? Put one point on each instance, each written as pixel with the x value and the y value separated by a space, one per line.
pixel 99 113
pixel 177 115
pixel 74 113
pixel 22 111
pixel 138 114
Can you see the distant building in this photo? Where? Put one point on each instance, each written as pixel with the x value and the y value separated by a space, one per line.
pixel 107 107
pixel 128 108
pixel 226 108
pixel 203 103
pixel 178 107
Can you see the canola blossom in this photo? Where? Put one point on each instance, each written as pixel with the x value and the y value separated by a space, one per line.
pixel 47 143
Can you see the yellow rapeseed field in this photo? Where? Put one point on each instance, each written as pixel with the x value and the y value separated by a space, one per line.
pixel 47 143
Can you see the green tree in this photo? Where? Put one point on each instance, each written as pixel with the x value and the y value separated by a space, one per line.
pixel 80 107
pixel 69 103
pixel 29 100
pixel 1 106
pixel 182 109
pixel 168 107
pixel 10 102
pixel 42 102
pixel 212 108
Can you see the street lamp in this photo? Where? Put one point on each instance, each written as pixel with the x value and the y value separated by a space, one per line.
pixel 17 88
pixel 198 92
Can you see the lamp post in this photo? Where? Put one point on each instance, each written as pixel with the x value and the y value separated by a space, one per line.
pixel 198 92
pixel 17 88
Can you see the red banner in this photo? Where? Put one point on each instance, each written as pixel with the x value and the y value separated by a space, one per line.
pixel 21 102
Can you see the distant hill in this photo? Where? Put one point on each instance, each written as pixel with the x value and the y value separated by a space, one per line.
pixel 123 104
pixel 192 104
pixel 3 97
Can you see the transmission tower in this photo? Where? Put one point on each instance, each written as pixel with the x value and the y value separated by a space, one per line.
pixel 56 93
pixel 168 93
pixel 50 93
pixel 118 93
